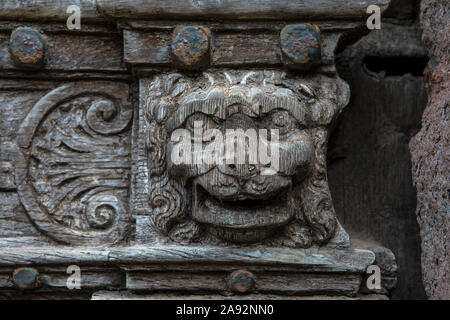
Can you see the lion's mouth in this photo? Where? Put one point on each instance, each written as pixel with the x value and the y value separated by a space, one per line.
pixel 243 215
pixel 246 204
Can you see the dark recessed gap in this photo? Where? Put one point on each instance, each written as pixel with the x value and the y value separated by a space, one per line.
pixel 396 66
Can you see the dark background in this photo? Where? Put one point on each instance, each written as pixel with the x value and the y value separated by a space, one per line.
pixel 369 164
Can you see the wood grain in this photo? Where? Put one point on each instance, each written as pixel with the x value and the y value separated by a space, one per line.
pixel 74 52
pixel 55 10
pixel 292 283
pixel 49 10
pixel 319 260
pixel 127 295
pixel 237 9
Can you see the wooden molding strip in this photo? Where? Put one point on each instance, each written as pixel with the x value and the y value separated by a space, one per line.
pixel 238 9
pixel 94 10
pixel 47 10
pixel 317 260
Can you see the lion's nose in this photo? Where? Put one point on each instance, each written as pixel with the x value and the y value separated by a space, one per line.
pixel 241 170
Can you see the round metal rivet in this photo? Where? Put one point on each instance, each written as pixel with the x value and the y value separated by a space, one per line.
pixel 27 48
pixel 300 46
pixel 26 278
pixel 190 47
pixel 241 281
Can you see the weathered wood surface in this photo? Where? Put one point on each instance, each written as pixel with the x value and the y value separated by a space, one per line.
pixel 245 99
pixel 229 48
pixel 32 121
pixel 156 9
pixel 16 99
pixel 61 175
pixel 55 10
pixel 14 222
pixel 55 27
pixel 48 295
pixel 196 269
pixel 127 295
pixel 141 47
pixel 59 148
pixel 111 280
pixel 291 283
pixel 318 260
pixel 274 26
pixel 236 9
pixel 246 48
pixel 56 280
pixel 46 10
pixel 155 45
pixel 74 52
pixel 24 240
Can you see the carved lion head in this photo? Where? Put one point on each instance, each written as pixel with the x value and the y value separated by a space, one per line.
pixel 283 200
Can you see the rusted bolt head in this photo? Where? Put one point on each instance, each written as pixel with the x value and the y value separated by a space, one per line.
pixel 190 47
pixel 300 46
pixel 26 278
pixel 27 48
pixel 241 281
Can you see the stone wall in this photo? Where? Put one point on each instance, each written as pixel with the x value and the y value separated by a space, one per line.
pixel 431 154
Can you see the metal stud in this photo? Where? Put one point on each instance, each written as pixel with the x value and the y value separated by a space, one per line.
pixel 241 281
pixel 27 48
pixel 191 47
pixel 300 46
pixel 26 278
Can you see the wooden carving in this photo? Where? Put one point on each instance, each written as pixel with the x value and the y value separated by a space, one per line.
pixel 75 163
pixel 222 203
pixel 175 147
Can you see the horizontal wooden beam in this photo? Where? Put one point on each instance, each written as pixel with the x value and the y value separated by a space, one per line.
pixel 55 10
pixel 238 9
pixel 267 282
pixel 313 260
pixel 73 52
pixel 128 295
pixel 46 10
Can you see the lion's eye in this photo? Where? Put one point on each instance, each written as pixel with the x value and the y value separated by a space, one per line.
pixel 282 121
pixel 200 121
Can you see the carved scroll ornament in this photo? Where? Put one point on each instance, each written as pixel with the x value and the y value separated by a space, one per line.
pixel 74 172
